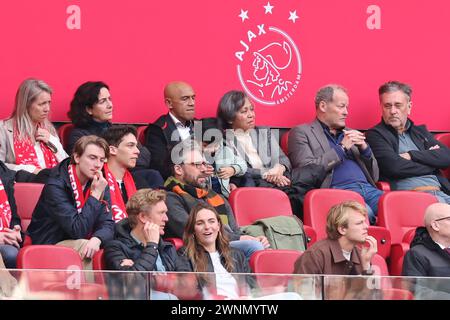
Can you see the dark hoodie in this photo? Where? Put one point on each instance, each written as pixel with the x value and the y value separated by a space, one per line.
pixel 426 258
pixel 55 217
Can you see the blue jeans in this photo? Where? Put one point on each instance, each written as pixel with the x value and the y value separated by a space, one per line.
pixel 370 194
pixel 441 196
pixel 9 255
pixel 248 247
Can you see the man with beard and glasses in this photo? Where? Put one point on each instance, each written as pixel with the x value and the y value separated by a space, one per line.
pixel 341 152
pixel 408 154
pixel 188 186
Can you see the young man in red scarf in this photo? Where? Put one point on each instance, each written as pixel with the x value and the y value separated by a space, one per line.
pixel 123 154
pixel 188 186
pixel 10 236
pixel 74 209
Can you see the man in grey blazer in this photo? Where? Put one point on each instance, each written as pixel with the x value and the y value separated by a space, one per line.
pixel 342 152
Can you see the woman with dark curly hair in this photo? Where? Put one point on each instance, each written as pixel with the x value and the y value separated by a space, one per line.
pixel 91 112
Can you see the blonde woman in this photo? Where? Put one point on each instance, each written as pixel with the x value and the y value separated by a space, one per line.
pixel 28 140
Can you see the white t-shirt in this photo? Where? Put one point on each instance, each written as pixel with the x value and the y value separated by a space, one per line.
pixel 225 283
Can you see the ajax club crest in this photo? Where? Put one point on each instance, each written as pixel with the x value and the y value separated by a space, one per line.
pixel 269 64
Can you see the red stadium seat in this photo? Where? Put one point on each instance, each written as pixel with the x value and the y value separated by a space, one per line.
pixel 319 201
pixel 444 138
pixel 383 186
pixel 253 203
pixel 141 134
pixel 273 261
pixel 284 142
pixel 68 283
pixel 63 133
pixel 26 196
pixel 177 242
pixel 400 212
pixel 98 264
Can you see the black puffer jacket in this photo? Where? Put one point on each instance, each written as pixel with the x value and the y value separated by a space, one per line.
pixel 55 217
pixel 426 258
pixel 144 258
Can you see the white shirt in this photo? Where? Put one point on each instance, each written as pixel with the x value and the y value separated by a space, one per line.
pixel 225 283
pixel 184 132
pixel 245 141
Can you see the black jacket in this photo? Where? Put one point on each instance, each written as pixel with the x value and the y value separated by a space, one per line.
pixel 7 177
pixel 55 217
pixel 426 258
pixel 383 139
pixel 125 247
pixel 98 129
pixel 159 141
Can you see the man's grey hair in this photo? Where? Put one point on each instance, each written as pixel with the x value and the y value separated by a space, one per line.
pixel 392 86
pixel 326 93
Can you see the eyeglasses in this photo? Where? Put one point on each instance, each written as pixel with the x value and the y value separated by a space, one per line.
pixel 198 165
pixel 444 218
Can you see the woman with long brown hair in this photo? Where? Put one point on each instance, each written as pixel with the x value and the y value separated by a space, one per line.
pixel 208 250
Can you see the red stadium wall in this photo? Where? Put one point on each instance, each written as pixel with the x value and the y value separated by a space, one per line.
pixel 280 54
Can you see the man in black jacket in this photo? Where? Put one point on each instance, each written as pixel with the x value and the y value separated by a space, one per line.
pixel 74 208
pixel 408 155
pixel 429 255
pixel 10 235
pixel 173 127
pixel 138 245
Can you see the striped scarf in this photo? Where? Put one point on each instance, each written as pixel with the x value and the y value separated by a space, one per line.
pixel 190 194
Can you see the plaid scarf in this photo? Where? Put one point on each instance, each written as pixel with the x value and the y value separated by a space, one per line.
pixel 190 194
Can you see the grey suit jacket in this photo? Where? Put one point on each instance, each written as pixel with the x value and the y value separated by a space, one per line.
pixel 308 144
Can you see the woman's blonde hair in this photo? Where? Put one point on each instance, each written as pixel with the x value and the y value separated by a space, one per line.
pixel 27 93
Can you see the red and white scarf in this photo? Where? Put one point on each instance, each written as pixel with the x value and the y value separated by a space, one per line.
pixel 118 206
pixel 77 189
pixel 5 209
pixel 26 154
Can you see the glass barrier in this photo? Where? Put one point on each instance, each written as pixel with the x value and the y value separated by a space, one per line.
pixel 76 284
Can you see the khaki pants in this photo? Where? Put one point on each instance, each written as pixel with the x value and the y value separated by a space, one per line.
pixel 79 245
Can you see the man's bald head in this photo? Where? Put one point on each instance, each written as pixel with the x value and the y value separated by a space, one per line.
pixel 180 99
pixel 436 211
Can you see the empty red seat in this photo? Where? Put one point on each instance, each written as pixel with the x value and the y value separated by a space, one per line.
pixel 253 203
pixel 62 280
pixel 273 261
